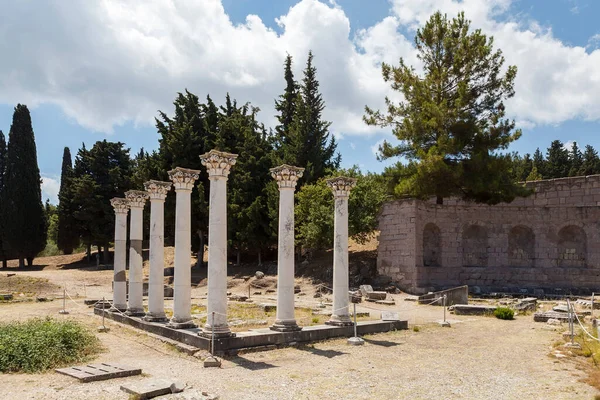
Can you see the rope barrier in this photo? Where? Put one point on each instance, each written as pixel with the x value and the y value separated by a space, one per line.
pixel 585 330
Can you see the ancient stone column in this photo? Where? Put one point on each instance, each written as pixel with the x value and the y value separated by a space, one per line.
pixel 341 187
pixel 183 180
pixel 137 200
pixel 121 207
pixel 218 165
pixel 156 300
pixel 287 177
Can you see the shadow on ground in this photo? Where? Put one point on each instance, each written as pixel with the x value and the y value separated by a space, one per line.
pixel 382 343
pixel 322 353
pixel 251 365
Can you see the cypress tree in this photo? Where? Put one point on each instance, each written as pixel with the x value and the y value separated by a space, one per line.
pixel 312 146
pixel 591 162
pixel 575 160
pixel 3 256
pixel 67 237
pixel 286 107
pixel 22 209
pixel 539 163
pixel 557 160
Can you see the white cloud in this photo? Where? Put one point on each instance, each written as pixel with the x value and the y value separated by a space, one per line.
pixel 50 189
pixel 568 145
pixel 594 42
pixel 554 83
pixel 352 146
pixel 375 147
pixel 108 62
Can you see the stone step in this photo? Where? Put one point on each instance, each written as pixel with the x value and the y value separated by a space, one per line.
pixel 99 372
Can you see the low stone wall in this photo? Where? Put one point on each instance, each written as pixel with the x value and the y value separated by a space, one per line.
pixel 261 338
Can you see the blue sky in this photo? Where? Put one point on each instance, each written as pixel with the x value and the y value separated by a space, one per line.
pixel 101 72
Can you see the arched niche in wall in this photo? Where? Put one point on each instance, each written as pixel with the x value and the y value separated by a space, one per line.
pixel 572 247
pixel 521 247
pixel 432 246
pixel 474 246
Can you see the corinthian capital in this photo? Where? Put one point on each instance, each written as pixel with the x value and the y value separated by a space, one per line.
pixel 120 205
pixel 286 175
pixel 218 163
pixel 157 189
pixel 136 198
pixel 183 178
pixel 341 186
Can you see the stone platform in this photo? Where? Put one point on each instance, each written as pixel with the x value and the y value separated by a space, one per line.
pixel 255 338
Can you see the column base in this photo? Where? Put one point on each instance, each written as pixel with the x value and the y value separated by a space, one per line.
pixel 135 312
pixel 150 317
pixel 285 326
pixel 179 324
pixel 340 320
pixel 220 331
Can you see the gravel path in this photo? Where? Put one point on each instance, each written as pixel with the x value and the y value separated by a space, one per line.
pixel 477 358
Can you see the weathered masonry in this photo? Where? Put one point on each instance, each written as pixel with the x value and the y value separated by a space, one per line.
pixel 548 241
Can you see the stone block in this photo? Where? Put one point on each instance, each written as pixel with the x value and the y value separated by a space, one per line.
pixel 148 388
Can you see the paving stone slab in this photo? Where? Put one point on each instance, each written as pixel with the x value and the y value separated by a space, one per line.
pixel 148 388
pixel 99 372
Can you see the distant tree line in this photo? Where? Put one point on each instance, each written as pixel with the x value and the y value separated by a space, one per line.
pixel 558 162
pixel 84 216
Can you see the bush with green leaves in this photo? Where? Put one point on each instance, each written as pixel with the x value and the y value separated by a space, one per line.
pixel 315 209
pixel 504 313
pixel 39 344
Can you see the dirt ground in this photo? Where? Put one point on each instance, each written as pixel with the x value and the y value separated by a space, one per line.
pixel 476 358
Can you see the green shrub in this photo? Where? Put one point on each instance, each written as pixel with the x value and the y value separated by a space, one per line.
pixel 504 313
pixel 40 344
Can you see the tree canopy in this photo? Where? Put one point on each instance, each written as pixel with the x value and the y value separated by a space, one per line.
pixel 23 217
pixel 451 125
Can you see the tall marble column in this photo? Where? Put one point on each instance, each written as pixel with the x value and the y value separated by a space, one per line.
pixel 218 165
pixel 287 177
pixel 183 180
pixel 341 187
pixel 156 299
pixel 137 200
pixel 121 207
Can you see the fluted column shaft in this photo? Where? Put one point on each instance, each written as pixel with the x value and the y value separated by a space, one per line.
pixel 341 187
pixel 183 180
pixel 121 207
pixel 287 177
pixel 218 165
pixel 156 299
pixel 137 199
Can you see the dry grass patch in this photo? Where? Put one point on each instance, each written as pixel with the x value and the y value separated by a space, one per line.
pixel 27 285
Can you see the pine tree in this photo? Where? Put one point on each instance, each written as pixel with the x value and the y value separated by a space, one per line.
pixel 3 256
pixel 575 160
pixel 101 173
pixel 183 138
pixel 557 161
pixel 452 122
pixel 67 236
pixel 23 215
pixel 591 162
pixel 248 222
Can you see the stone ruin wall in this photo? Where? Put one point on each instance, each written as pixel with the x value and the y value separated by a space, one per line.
pixel 548 241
